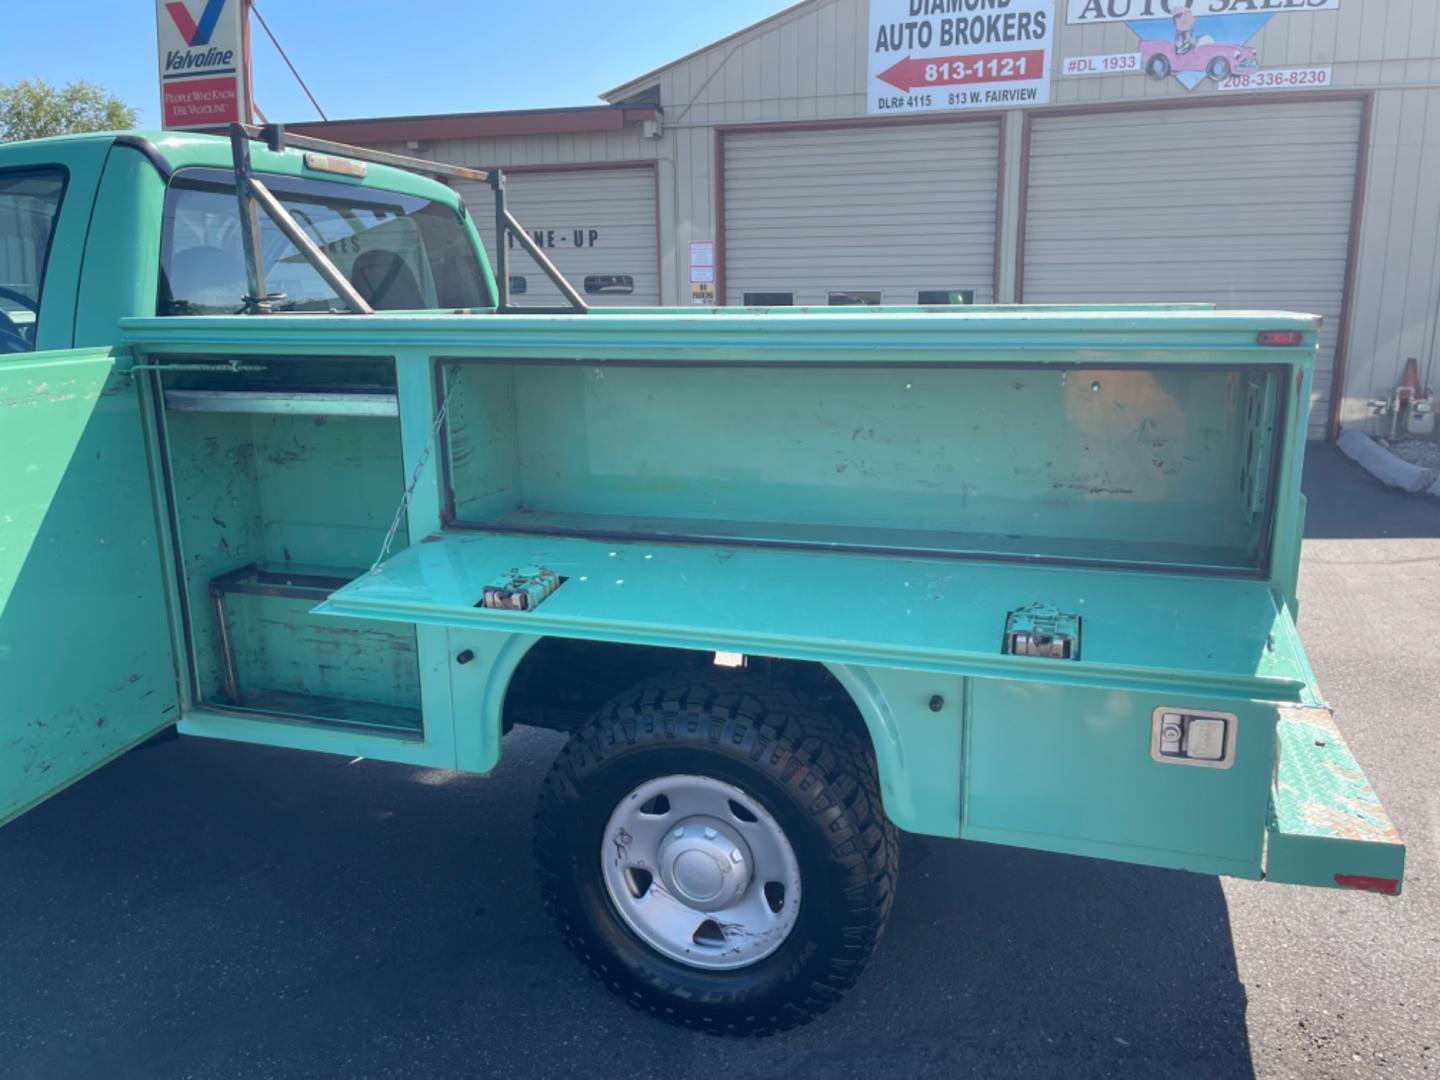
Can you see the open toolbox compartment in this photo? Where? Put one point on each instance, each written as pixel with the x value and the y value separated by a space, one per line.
pixel 695 504
pixel 1165 468
pixel 285 474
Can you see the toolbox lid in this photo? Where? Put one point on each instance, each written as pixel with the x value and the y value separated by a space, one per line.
pixel 1143 631
pixel 1142 335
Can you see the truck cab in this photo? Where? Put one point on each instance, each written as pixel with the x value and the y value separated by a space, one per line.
pixel 285 466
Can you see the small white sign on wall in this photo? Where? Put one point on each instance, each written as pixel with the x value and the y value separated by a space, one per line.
pixel 702 261
pixel 944 55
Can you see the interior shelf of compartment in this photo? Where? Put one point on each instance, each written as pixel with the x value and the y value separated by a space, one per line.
pixel 1166 467
pixel 309 584
pixel 279 402
pixel 1140 629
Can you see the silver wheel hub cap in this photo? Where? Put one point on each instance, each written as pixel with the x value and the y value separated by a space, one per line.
pixel 701 872
pixel 705 864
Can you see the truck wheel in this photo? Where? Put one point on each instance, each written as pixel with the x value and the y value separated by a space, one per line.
pixel 714 852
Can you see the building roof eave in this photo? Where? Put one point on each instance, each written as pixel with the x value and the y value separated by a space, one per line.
pixel 478 125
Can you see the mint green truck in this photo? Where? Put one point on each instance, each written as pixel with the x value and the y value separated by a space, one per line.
pixel 283 464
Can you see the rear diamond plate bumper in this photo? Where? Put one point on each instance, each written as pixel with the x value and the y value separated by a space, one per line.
pixel 1326 825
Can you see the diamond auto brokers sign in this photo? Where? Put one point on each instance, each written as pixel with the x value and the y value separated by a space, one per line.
pixel 202 62
pixel 938 55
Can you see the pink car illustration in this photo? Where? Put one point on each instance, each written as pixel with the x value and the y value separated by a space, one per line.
pixel 1217 59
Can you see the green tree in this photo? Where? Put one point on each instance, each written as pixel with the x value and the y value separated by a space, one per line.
pixel 33 109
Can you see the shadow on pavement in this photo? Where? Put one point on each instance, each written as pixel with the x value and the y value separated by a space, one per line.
pixel 1356 505
pixel 209 909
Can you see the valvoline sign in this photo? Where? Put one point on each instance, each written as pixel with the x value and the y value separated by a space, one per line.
pixel 202 62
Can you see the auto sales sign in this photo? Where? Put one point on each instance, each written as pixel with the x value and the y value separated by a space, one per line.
pixel 1196 42
pixel 1093 11
pixel 202 62
pixel 939 55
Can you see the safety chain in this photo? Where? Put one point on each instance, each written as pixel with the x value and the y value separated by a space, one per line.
pixel 440 415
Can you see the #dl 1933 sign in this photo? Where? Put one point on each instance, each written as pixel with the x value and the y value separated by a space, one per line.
pixel 939 55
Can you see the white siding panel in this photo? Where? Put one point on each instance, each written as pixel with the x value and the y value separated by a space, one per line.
pixel 1398 278
pixel 896 209
pixel 1244 206
pixel 610 212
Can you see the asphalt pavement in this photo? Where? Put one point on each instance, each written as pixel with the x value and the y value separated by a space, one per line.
pixel 203 909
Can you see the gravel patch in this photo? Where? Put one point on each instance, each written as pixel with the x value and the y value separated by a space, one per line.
pixel 1422 452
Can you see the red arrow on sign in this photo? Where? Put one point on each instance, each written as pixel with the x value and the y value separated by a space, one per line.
pixel 909 73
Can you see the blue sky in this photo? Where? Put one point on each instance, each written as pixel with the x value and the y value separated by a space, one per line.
pixel 384 57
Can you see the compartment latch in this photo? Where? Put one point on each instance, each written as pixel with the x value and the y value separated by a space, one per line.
pixel 521 589
pixel 1042 630
pixel 1181 736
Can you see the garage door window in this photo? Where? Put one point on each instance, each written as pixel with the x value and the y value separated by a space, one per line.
pixel 609 284
pixel 944 297
pixel 854 297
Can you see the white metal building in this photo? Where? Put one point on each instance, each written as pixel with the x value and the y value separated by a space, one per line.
pixel 1286 153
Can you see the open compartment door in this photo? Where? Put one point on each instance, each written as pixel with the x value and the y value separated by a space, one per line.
pixel 86 669
pixel 1327 826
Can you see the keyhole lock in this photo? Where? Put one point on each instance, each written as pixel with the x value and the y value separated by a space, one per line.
pixel 465 657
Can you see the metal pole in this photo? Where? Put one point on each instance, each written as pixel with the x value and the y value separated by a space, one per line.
pixel 255 303
pixel 312 251
pixel 502 252
pixel 247 76
pixel 229 678
pixel 535 252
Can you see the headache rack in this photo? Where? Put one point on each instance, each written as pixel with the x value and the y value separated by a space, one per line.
pixel 253 193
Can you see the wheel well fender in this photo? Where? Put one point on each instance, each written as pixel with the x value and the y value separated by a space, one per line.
pixel 914 721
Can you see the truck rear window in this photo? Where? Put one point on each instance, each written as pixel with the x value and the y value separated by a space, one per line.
pixel 401 252
pixel 29 204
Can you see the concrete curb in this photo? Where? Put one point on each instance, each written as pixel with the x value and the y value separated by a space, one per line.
pixel 1385 466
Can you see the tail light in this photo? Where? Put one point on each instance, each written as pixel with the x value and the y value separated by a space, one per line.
pixel 1280 337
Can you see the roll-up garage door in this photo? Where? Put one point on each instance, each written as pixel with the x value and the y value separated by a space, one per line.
pixel 1247 206
pixel 597 225
pixel 869 214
